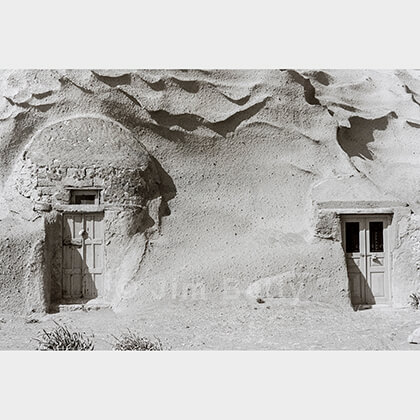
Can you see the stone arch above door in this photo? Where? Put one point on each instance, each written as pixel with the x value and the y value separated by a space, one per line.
pixel 85 152
pixel 92 154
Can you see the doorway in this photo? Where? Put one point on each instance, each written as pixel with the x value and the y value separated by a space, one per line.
pixel 366 247
pixel 83 256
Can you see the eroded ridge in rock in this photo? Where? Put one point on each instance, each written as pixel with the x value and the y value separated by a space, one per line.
pixel 124 186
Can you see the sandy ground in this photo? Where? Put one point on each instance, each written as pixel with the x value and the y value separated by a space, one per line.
pixel 230 325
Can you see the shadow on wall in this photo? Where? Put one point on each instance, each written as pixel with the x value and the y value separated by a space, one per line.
pixel 167 188
pixel 78 282
pixel 361 294
pixel 74 279
pixel 354 140
pixel 70 277
pixel 165 122
pixel 369 297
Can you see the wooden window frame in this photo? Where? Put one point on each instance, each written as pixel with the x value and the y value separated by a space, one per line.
pixel 74 192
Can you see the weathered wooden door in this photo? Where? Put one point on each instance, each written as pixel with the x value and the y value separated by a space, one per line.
pixel 83 255
pixel 366 246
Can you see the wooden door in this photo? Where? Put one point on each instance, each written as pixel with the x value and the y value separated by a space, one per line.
pixel 93 276
pixel 72 287
pixel 83 256
pixel 377 261
pixel 354 247
pixel 366 246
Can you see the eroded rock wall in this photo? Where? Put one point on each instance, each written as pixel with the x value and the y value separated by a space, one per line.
pixel 251 165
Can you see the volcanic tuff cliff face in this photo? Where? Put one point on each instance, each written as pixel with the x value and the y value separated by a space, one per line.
pixel 246 160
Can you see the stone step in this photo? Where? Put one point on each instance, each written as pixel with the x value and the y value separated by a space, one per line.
pixel 82 306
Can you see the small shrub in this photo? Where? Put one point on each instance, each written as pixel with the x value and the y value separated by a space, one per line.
pixel 415 300
pixel 132 341
pixel 60 338
pixel 32 321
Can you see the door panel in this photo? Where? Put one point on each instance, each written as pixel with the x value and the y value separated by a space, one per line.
pixel 72 256
pixel 377 262
pixel 376 257
pixel 356 264
pixel 83 261
pixel 365 243
pixel 376 236
pixel 356 286
pixel 94 244
pixel 353 238
pixel 377 284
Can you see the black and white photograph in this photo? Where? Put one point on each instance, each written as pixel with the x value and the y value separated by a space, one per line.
pixel 209 210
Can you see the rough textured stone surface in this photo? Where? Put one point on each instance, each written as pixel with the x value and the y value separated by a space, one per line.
pixel 414 338
pixel 216 178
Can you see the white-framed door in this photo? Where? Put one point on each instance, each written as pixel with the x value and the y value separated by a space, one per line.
pixel 83 256
pixel 367 251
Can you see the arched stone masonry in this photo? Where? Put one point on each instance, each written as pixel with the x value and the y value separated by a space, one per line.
pixel 98 191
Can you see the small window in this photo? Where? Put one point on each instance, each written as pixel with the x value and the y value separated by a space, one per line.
pixel 84 197
pixel 352 237
pixel 376 236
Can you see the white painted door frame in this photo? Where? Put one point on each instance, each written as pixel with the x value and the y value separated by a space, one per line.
pixel 368 265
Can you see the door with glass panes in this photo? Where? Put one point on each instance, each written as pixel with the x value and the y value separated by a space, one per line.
pixel 366 246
